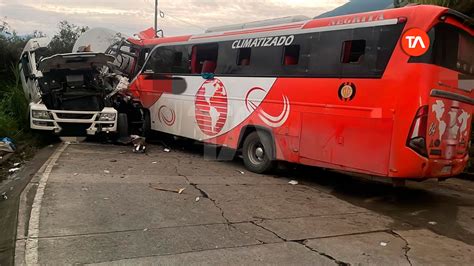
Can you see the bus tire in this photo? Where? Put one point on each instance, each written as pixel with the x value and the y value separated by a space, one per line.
pixel 257 152
pixel 122 126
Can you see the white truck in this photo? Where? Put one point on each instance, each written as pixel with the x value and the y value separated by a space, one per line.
pixel 73 94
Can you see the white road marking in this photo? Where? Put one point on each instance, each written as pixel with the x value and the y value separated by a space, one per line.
pixel 31 252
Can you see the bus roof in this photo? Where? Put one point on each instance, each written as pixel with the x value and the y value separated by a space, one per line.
pixel 424 15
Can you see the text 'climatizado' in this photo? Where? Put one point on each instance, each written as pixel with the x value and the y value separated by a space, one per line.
pixel 263 42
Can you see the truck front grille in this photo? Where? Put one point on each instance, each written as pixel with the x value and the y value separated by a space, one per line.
pixel 74 129
pixel 74 116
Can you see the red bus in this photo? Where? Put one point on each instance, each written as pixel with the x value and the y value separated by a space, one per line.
pixel 342 93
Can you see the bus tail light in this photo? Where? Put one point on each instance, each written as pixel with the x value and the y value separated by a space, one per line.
pixel 402 20
pixel 417 137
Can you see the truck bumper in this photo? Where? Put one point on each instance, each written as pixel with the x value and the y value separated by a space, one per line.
pixel 73 122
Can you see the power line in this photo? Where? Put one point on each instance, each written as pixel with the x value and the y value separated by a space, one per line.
pixel 162 14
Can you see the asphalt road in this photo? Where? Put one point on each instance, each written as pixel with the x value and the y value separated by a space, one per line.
pixel 93 203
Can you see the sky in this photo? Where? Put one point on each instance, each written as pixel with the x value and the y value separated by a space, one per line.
pixel 132 16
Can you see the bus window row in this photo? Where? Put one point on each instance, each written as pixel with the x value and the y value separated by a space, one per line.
pixel 361 52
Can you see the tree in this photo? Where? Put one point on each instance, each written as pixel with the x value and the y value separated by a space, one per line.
pixel 64 40
pixel 11 46
pixel 4 27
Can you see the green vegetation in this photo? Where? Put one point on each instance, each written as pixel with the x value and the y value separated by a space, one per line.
pixel 64 40
pixel 13 108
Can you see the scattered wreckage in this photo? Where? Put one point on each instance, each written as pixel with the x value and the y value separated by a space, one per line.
pixel 7 145
pixel 84 92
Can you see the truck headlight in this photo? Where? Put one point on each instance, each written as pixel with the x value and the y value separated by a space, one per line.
pixel 40 114
pixel 107 117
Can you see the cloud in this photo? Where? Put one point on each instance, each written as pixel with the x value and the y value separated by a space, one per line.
pixel 131 16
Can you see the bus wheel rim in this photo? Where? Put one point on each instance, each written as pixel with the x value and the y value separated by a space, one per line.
pixel 256 153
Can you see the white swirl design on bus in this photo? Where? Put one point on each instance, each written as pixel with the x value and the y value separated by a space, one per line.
pixel 270 120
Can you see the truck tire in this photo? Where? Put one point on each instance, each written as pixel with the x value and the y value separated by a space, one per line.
pixel 122 126
pixel 146 128
pixel 258 152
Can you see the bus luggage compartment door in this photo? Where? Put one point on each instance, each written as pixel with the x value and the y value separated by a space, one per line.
pixel 352 138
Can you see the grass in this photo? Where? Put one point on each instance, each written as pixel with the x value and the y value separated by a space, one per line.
pixel 13 108
pixel 14 123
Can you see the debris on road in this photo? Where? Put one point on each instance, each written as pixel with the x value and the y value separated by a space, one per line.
pixel 241 172
pixel 13 170
pixel 138 144
pixel 139 149
pixel 198 199
pixel 107 171
pixel 432 223
pixel 6 144
pixel 154 162
pixel 167 150
pixel 383 244
pixel 4 196
pixel 75 174
pixel 293 182
pixel 145 230
pixel 85 189
pixel 16 164
pixel 179 191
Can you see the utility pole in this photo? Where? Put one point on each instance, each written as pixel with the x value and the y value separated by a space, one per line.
pixel 156 18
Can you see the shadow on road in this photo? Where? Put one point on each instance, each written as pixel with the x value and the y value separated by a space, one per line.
pixel 447 208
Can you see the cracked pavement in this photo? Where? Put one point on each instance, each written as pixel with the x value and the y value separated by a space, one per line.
pixel 105 205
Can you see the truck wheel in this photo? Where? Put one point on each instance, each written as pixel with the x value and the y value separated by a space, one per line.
pixel 258 152
pixel 122 126
pixel 146 128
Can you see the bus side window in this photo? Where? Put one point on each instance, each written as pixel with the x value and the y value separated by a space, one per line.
pixel 168 60
pixel 291 55
pixel 353 51
pixel 243 56
pixel 204 58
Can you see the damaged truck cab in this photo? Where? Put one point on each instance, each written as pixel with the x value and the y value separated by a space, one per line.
pixel 70 94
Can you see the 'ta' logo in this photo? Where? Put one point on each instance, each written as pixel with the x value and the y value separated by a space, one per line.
pixel 415 42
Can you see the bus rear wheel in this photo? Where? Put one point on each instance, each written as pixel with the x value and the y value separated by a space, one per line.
pixel 257 152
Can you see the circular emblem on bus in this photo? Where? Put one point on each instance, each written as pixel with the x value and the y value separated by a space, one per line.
pixel 166 115
pixel 211 107
pixel 415 42
pixel 347 91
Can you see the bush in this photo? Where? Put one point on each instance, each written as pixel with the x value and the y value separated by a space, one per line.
pixel 13 108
